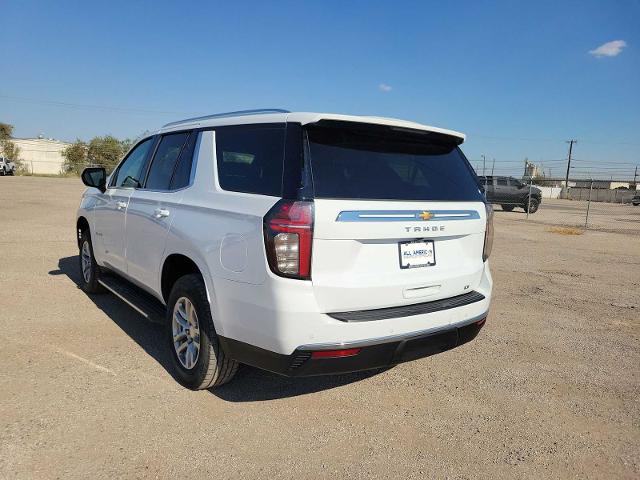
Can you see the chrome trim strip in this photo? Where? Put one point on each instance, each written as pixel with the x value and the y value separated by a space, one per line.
pixel 392 338
pixel 405 215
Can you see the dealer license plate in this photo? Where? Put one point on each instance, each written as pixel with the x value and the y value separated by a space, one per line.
pixel 418 253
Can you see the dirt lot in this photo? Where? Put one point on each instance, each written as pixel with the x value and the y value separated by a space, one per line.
pixel 549 389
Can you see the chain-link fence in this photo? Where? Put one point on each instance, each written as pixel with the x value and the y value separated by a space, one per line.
pixel 587 205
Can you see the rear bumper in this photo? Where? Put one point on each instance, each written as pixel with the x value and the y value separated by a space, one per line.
pixel 282 315
pixel 372 354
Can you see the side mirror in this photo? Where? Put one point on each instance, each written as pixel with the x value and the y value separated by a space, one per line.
pixel 95 177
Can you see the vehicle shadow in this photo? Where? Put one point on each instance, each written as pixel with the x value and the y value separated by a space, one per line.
pixel 250 385
pixel 255 385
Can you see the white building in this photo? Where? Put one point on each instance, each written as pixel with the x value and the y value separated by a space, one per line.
pixel 41 155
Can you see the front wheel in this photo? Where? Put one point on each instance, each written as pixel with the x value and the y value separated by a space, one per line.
pixel 532 204
pixel 198 358
pixel 507 208
pixel 89 269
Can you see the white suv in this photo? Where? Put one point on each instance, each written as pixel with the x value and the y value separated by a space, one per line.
pixel 300 243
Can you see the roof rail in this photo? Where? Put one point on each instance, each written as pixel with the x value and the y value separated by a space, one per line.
pixel 260 111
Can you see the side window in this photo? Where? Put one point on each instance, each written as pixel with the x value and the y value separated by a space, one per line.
pixel 164 161
pixel 502 182
pixel 182 173
pixel 250 159
pixel 131 170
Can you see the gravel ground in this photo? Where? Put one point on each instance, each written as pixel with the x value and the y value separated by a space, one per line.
pixel 549 389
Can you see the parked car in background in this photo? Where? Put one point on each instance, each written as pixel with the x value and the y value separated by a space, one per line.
pixel 300 243
pixel 509 193
pixel 7 167
pixel 636 199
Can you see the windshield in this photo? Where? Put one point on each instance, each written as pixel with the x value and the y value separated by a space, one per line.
pixel 363 161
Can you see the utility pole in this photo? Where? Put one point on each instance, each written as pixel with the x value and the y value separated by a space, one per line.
pixel 566 180
pixel 494 164
pixel 635 175
pixel 483 164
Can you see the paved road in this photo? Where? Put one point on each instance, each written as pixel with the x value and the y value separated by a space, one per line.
pixel 550 388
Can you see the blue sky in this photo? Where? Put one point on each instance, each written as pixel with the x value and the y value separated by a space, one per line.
pixel 517 77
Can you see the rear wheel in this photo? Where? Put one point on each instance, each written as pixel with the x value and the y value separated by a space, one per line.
pixel 507 208
pixel 89 269
pixel 197 357
pixel 532 204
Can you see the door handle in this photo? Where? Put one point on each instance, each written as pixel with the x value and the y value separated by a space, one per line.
pixel 121 205
pixel 161 212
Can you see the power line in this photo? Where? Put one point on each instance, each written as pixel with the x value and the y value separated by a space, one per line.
pixel 99 107
pixel 555 140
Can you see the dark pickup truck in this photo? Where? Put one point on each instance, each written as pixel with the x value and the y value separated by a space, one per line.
pixel 510 193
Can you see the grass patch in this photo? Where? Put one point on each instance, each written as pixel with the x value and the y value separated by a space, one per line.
pixel 566 230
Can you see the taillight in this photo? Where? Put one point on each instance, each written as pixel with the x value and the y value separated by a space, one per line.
pixel 288 235
pixel 488 233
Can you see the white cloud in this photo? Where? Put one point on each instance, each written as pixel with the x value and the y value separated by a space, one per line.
pixel 609 49
pixel 383 87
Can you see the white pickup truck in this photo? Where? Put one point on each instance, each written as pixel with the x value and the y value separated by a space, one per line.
pixel 7 167
pixel 300 243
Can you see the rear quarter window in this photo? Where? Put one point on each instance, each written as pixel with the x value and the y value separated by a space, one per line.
pixel 250 158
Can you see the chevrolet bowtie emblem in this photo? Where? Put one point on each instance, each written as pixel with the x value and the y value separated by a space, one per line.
pixel 426 215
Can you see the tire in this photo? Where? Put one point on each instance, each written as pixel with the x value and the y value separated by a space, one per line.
pixel 209 366
pixel 2 174
pixel 507 208
pixel 88 276
pixel 532 204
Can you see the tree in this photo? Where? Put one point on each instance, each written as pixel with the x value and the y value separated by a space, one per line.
pixel 105 151
pixel 6 131
pixel 75 157
pixel 9 149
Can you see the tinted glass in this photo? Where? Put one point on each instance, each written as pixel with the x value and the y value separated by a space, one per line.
pixel 131 170
pixel 382 163
pixel 182 172
pixel 502 182
pixel 250 159
pixel 164 161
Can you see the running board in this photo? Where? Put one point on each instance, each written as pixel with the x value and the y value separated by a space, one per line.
pixel 142 302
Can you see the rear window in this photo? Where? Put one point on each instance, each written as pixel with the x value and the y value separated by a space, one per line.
pixel 250 158
pixel 373 162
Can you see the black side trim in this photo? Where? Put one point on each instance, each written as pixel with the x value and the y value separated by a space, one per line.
pixel 408 310
pixel 145 303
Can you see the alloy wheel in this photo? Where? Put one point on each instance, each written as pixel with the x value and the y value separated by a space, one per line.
pixel 85 256
pixel 186 333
